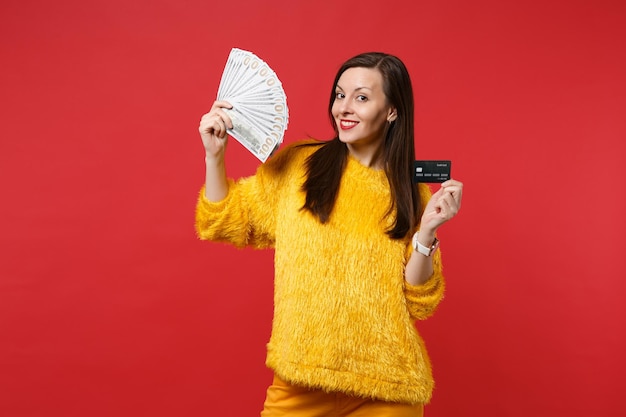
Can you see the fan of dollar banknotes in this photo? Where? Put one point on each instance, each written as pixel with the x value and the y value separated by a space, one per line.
pixel 259 114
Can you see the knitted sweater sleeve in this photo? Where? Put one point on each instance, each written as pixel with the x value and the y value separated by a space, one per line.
pixel 243 218
pixel 247 215
pixel 423 299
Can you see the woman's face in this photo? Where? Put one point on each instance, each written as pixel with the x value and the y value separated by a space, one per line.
pixel 360 109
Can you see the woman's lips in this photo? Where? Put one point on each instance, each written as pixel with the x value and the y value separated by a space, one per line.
pixel 347 124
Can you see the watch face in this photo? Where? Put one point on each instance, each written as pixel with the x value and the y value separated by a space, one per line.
pixel 435 246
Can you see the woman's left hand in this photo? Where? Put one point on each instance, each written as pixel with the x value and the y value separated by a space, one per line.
pixel 442 206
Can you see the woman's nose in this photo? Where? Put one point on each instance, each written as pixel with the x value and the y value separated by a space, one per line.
pixel 344 107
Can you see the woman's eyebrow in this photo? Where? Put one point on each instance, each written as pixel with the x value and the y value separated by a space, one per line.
pixel 356 89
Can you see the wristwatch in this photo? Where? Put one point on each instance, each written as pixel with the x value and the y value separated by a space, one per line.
pixel 424 250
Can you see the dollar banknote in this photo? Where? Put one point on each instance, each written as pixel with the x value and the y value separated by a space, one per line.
pixel 259 114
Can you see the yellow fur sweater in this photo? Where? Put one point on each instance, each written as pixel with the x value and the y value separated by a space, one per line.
pixel 343 313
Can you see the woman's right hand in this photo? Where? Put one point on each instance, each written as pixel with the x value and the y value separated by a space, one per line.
pixel 213 126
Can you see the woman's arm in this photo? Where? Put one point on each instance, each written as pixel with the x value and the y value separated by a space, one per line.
pixel 213 127
pixel 442 206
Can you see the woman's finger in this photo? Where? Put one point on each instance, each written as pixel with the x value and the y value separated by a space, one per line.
pixel 221 104
pixel 225 118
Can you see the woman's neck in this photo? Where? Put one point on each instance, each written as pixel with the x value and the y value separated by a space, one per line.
pixel 370 156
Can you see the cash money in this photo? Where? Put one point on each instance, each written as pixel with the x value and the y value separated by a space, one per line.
pixel 260 114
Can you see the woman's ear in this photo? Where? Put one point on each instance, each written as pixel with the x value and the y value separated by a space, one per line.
pixel 393 115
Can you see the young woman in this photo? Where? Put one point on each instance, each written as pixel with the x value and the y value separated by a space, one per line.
pixel 356 257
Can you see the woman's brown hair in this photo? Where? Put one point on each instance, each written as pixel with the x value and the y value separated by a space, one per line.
pixel 326 165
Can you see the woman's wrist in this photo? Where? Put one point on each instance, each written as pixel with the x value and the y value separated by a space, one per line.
pixel 214 160
pixel 426 236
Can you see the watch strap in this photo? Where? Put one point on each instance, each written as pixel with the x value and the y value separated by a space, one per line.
pixel 424 250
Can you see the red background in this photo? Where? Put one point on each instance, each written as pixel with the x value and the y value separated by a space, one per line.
pixel 110 306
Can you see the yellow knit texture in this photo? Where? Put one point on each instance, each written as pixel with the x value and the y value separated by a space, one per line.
pixel 343 313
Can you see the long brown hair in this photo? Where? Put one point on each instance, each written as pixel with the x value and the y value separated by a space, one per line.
pixel 326 165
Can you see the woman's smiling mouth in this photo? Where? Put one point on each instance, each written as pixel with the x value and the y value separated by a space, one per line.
pixel 347 124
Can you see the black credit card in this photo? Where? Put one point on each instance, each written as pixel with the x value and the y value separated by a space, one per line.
pixel 432 171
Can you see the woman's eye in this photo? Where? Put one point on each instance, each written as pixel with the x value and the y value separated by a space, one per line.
pixel 361 98
pixel 340 95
